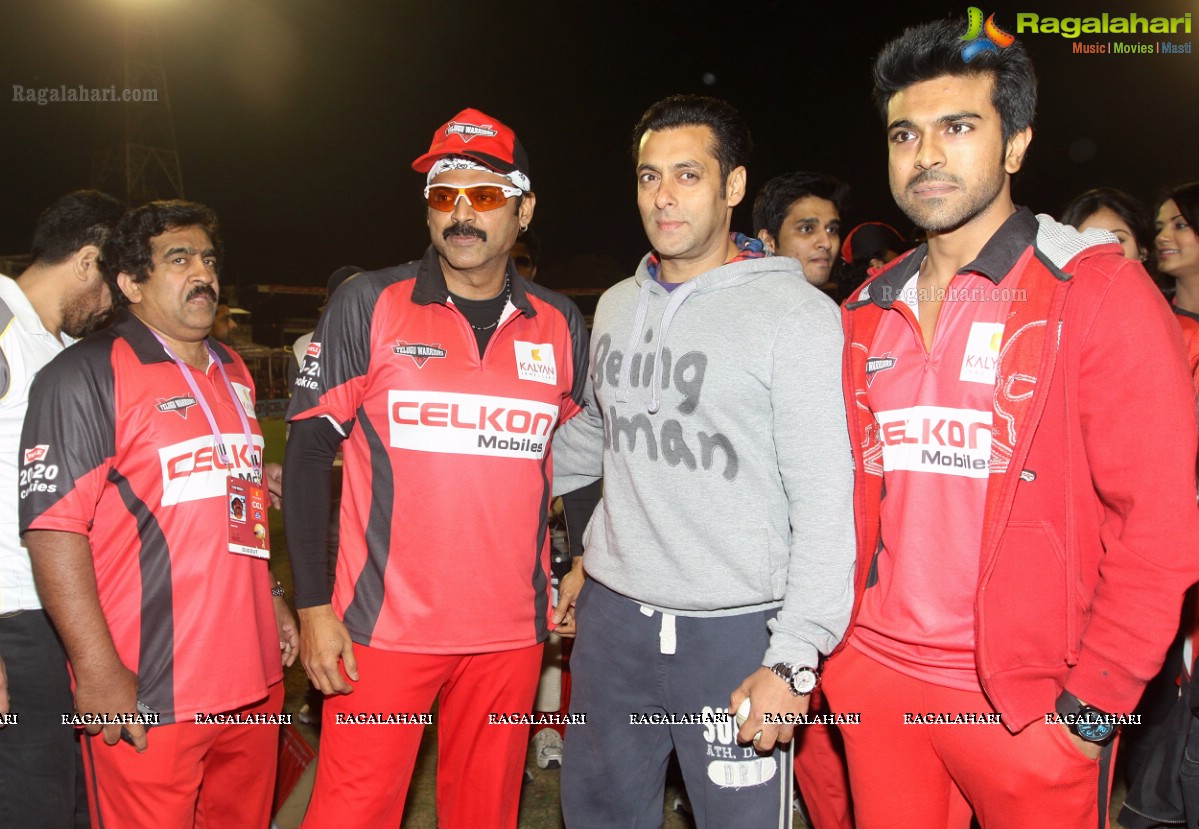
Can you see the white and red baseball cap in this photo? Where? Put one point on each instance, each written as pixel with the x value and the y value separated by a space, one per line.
pixel 481 138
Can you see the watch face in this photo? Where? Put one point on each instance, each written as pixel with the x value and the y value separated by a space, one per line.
pixel 1092 727
pixel 804 681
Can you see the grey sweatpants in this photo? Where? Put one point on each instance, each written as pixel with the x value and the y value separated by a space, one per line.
pixel 633 663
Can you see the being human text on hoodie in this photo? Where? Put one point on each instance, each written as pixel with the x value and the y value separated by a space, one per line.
pixel 718 412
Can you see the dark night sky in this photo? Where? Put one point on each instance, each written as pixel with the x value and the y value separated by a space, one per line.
pixel 297 119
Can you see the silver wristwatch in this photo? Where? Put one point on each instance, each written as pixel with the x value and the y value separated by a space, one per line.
pixel 801 679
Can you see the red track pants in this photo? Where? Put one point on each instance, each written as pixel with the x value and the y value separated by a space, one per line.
pixel 363 770
pixel 906 775
pixel 190 775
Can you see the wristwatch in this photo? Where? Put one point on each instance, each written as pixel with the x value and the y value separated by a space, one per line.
pixel 801 679
pixel 1086 721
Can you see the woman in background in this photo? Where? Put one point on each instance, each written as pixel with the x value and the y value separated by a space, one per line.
pixel 1107 208
pixel 1162 763
pixel 1177 246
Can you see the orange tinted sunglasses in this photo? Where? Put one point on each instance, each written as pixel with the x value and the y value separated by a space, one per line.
pixel 444 197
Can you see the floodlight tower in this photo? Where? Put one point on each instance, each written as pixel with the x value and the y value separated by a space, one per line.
pixel 137 156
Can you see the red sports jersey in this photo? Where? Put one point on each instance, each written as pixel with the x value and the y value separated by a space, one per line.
pixel 115 447
pixel 443 544
pixel 934 416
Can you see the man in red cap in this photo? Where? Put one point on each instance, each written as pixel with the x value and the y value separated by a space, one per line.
pixel 873 244
pixel 867 247
pixel 445 379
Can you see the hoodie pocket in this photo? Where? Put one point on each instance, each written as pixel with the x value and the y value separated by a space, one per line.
pixel 1025 601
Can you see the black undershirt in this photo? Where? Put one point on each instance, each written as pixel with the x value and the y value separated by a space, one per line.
pixel 482 314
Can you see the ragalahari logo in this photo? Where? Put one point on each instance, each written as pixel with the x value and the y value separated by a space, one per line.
pixel 983 37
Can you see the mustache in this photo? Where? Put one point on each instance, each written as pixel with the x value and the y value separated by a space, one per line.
pixel 460 229
pixel 929 176
pixel 202 290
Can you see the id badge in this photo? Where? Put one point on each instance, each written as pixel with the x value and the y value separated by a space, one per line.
pixel 245 505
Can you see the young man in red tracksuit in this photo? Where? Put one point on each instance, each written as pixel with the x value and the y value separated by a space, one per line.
pixel 1018 392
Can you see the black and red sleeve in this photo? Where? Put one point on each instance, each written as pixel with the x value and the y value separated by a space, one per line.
pixel 68 440
pixel 332 376
pixel 327 392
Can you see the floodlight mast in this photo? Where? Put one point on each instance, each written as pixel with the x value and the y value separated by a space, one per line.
pixel 137 156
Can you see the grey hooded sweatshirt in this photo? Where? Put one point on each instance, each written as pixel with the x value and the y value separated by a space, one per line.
pixel 718 412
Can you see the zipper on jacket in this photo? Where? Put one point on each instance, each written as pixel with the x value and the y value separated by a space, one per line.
pixel 1072 637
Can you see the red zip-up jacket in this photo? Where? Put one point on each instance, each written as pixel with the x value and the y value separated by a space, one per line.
pixel 1091 530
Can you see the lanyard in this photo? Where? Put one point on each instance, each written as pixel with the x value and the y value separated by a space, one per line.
pixel 217 435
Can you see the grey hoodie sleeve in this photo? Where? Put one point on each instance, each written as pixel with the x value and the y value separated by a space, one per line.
pixel 812 441
pixel 578 446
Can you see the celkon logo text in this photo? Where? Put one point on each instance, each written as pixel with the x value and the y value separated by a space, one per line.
pixel 193 469
pixel 936 439
pixel 470 424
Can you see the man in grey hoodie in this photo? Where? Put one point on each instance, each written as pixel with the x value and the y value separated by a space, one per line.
pixel 719 565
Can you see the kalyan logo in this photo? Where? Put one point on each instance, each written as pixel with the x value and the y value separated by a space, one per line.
pixel 36 453
pixel 535 361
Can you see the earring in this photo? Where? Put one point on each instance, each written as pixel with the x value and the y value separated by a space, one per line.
pixel 523 228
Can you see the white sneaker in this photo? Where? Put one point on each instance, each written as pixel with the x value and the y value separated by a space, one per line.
pixel 547 748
